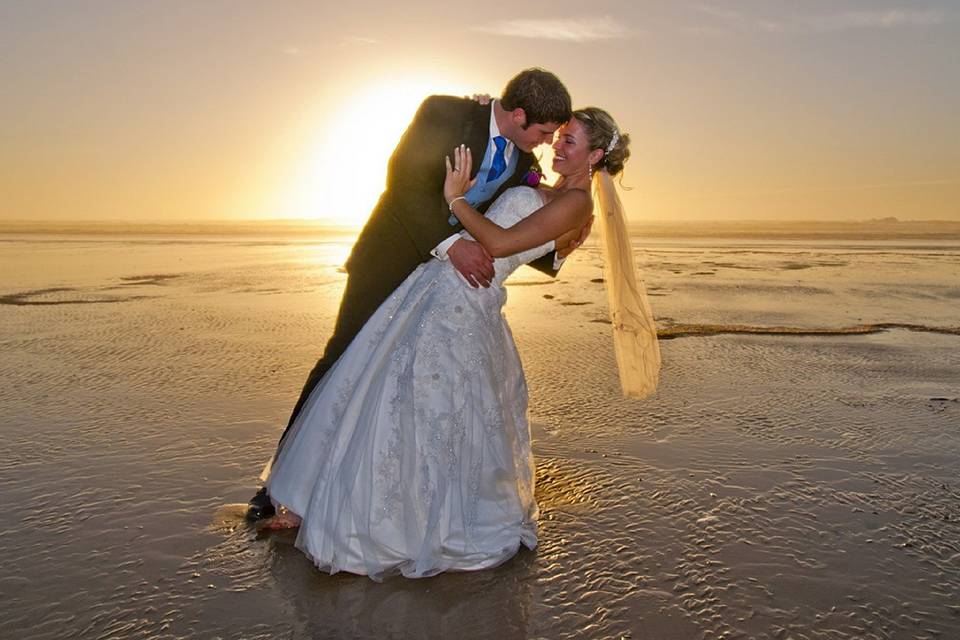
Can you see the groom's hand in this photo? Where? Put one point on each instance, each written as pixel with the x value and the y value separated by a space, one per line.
pixel 472 261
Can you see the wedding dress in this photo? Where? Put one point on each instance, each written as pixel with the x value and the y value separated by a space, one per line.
pixel 412 455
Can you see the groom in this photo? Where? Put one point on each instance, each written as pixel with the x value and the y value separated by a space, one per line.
pixel 412 223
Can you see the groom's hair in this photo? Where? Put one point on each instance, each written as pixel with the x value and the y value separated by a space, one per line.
pixel 540 94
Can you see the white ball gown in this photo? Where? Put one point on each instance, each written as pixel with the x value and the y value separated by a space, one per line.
pixel 412 455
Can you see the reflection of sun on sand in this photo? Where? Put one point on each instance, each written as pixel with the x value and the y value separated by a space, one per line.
pixel 227 518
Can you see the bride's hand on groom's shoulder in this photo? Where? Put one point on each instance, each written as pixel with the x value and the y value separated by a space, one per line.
pixel 482 98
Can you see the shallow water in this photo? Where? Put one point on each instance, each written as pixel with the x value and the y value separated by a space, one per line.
pixel 778 484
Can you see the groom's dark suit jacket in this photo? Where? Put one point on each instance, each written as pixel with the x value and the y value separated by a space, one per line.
pixel 413 202
pixel 411 217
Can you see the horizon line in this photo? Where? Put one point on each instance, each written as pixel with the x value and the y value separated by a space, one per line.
pixel 324 223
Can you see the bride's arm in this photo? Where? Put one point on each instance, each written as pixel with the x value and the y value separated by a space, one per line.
pixel 570 210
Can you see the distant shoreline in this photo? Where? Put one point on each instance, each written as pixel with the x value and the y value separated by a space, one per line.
pixel 792 230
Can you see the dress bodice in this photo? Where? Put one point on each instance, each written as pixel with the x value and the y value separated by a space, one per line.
pixel 511 207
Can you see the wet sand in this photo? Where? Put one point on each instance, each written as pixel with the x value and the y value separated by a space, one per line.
pixel 794 477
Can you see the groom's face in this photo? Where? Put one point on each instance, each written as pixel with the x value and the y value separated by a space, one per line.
pixel 531 137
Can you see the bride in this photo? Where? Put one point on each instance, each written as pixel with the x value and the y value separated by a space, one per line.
pixel 412 455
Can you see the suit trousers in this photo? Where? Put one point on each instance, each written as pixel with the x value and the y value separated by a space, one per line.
pixel 381 260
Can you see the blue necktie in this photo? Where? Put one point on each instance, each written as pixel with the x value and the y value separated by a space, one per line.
pixel 499 164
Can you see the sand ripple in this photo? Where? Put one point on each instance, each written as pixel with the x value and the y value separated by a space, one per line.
pixel 788 480
pixel 688 330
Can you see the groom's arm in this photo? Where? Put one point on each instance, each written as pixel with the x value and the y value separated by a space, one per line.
pixel 416 171
pixel 549 264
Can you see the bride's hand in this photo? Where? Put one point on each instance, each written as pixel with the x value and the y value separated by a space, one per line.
pixel 458 181
pixel 482 98
pixel 572 239
pixel 565 244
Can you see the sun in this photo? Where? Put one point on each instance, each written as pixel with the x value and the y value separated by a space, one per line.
pixel 344 174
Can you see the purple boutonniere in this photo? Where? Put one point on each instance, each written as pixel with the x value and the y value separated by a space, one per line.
pixel 532 178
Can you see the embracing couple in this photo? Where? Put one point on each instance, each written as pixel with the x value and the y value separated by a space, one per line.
pixel 409 449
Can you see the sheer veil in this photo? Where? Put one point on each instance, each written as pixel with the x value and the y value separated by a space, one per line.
pixel 634 330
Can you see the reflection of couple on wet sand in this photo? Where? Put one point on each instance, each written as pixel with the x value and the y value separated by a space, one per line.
pixel 409 448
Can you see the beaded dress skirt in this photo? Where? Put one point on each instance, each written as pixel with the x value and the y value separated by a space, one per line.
pixel 412 455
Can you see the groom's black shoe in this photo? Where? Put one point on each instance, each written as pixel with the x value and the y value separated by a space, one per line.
pixel 260 506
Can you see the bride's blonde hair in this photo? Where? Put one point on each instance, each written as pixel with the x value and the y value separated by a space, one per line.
pixel 601 131
pixel 634 328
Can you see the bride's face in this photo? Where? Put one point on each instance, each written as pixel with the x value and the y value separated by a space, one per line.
pixel 572 153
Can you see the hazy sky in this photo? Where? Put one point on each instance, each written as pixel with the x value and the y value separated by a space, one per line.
pixel 213 109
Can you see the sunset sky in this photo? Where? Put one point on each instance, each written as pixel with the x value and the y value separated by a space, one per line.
pixel 234 109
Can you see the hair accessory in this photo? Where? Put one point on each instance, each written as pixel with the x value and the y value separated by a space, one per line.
pixel 613 142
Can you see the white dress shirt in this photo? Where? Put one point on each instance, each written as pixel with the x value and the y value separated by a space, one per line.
pixel 440 251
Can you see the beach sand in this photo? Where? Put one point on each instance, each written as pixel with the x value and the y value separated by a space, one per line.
pixel 795 476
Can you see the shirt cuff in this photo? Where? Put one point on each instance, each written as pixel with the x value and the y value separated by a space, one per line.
pixel 440 251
